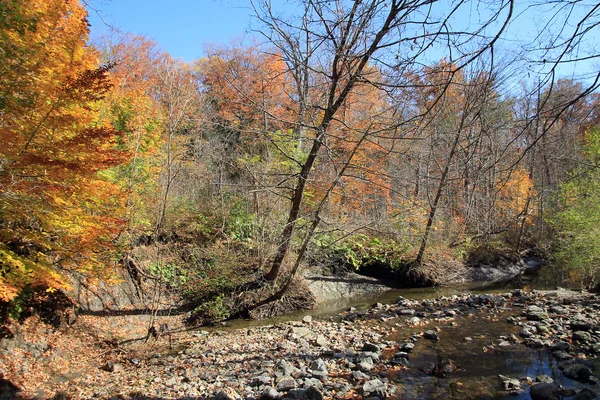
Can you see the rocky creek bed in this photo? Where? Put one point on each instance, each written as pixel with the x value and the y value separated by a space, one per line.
pixel 539 345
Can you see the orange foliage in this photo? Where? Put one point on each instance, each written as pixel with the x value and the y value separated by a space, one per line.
pixel 356 140
pixel 55 209
pixel 248 89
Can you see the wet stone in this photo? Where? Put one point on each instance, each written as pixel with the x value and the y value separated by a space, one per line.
pixel 428 368
pixel 561 355
pixel 578 372
pixel 447 366
pixel 321 341
pixel 561 346
pixel 544 391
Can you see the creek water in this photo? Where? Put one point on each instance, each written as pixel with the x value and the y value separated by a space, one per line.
pixel 477 373
pixel 478 370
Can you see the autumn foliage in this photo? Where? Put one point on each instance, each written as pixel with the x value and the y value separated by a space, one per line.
pixel 258 149
pixel 57 213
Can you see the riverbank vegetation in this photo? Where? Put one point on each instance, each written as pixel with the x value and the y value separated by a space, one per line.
pixel 347 136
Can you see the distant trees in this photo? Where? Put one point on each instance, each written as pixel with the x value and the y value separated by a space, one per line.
pixel 386 117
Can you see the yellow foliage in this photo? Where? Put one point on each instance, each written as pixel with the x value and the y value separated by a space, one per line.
pixel 514 194
pixel 55 210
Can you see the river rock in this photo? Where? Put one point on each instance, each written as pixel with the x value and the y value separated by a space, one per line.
pixel 581 324
pixel 400 361
pixel 536 313
pixel 511 384
pixel 262 380
pixel 227 394
pixel 582 336
pixel 431 334
pixel 526 332
pixel 312 393
pixel 544 391
pixel 285 368
pixel 561 346
pixel 359 375
pixel 319 368
pixel 286 384
pixel 407 347
pixel 374 386
pixel 269 394
pixel 586 394
pixel 307 319
pixel 447 366
pixel 366 364
pixel 308 382
pixel 577 371
pixel 371 347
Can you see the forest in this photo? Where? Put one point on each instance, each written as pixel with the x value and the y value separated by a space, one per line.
pixel 350 136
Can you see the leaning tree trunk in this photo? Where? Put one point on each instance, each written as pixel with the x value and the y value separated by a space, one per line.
pixel 436 200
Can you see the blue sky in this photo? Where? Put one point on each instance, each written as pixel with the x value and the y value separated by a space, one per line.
pixel 181 27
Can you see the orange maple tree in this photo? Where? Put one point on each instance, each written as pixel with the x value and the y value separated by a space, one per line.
pixel 57 213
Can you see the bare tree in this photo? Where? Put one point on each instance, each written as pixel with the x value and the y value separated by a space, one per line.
pixel 333 47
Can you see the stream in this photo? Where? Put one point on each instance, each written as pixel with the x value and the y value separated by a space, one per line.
pixel 470 341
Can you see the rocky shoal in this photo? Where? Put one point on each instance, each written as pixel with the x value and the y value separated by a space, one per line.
pixel 351 355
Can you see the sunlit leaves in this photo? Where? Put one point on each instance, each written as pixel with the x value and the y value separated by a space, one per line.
pixel 55 210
